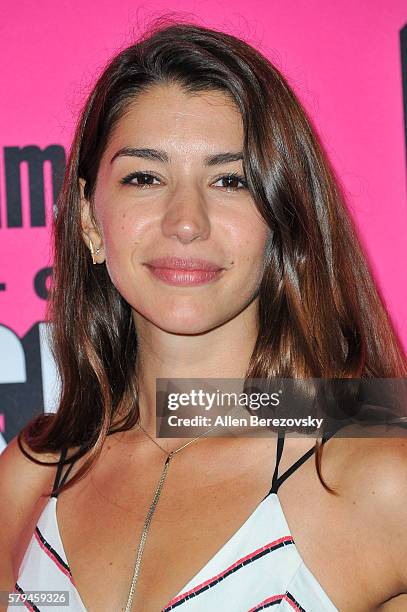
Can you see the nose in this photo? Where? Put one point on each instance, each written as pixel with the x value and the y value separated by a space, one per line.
pixel 186 216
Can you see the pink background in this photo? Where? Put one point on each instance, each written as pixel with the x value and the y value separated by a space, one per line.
pixel 342 59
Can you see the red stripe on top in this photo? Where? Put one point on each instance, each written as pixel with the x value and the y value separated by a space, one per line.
pixel 231 567
pixel 260 605
pixel 266 601
pixel 28 605
pixel 53 558
pixel 292 603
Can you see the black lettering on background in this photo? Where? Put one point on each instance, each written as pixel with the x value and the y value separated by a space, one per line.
pixel 40 281
pixel 22 400
pixel 403 51
pixel 35 158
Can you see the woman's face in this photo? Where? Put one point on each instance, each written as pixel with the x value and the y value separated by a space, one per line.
pixel 163 191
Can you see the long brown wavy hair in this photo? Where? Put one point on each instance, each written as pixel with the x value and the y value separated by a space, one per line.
pixel 320 313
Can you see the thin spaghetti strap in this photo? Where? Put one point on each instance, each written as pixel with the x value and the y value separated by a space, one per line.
pixel 278 480
pixel 280 446
pixel 58 480
pixel 59 470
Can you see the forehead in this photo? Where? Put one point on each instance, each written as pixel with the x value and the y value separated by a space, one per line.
pixel 166 115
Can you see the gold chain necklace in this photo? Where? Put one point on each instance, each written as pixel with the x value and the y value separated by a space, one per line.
pixel 149 516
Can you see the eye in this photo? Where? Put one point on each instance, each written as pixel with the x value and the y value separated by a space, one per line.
pixel 231 182
pixel 144 179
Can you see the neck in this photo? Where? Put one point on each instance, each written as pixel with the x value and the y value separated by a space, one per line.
pixel 223 352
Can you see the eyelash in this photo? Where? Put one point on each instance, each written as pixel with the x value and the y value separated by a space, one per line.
pixel 231 175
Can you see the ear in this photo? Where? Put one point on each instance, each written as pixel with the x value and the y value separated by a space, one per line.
pixel 90 230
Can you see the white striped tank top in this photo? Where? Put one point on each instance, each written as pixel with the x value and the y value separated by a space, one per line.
pixel 259 567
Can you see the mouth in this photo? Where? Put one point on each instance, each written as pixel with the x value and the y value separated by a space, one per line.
pixel 184 271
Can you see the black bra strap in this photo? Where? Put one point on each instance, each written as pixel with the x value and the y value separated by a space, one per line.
pixel 58 480
pixel 280 446
pixel 278 480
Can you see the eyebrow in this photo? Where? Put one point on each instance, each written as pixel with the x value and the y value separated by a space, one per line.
pixel 162 156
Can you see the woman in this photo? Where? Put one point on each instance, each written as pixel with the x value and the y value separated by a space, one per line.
pixel 193 147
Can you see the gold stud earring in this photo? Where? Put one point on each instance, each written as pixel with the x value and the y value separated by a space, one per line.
pixel 93 251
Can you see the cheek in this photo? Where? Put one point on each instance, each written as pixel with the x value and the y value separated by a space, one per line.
pixel 120 239
pixel 121 234
pixel 250 242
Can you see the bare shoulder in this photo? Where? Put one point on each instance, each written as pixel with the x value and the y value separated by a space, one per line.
pixel 22 485
pixel 18 472
pixel 23 482
pixel 373 478
pixel 378 464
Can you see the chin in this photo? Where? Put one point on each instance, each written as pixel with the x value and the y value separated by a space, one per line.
pixel 181 320
pixel 187 326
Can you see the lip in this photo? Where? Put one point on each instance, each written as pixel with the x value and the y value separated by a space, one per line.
pixel 184 271
pixel 183 263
